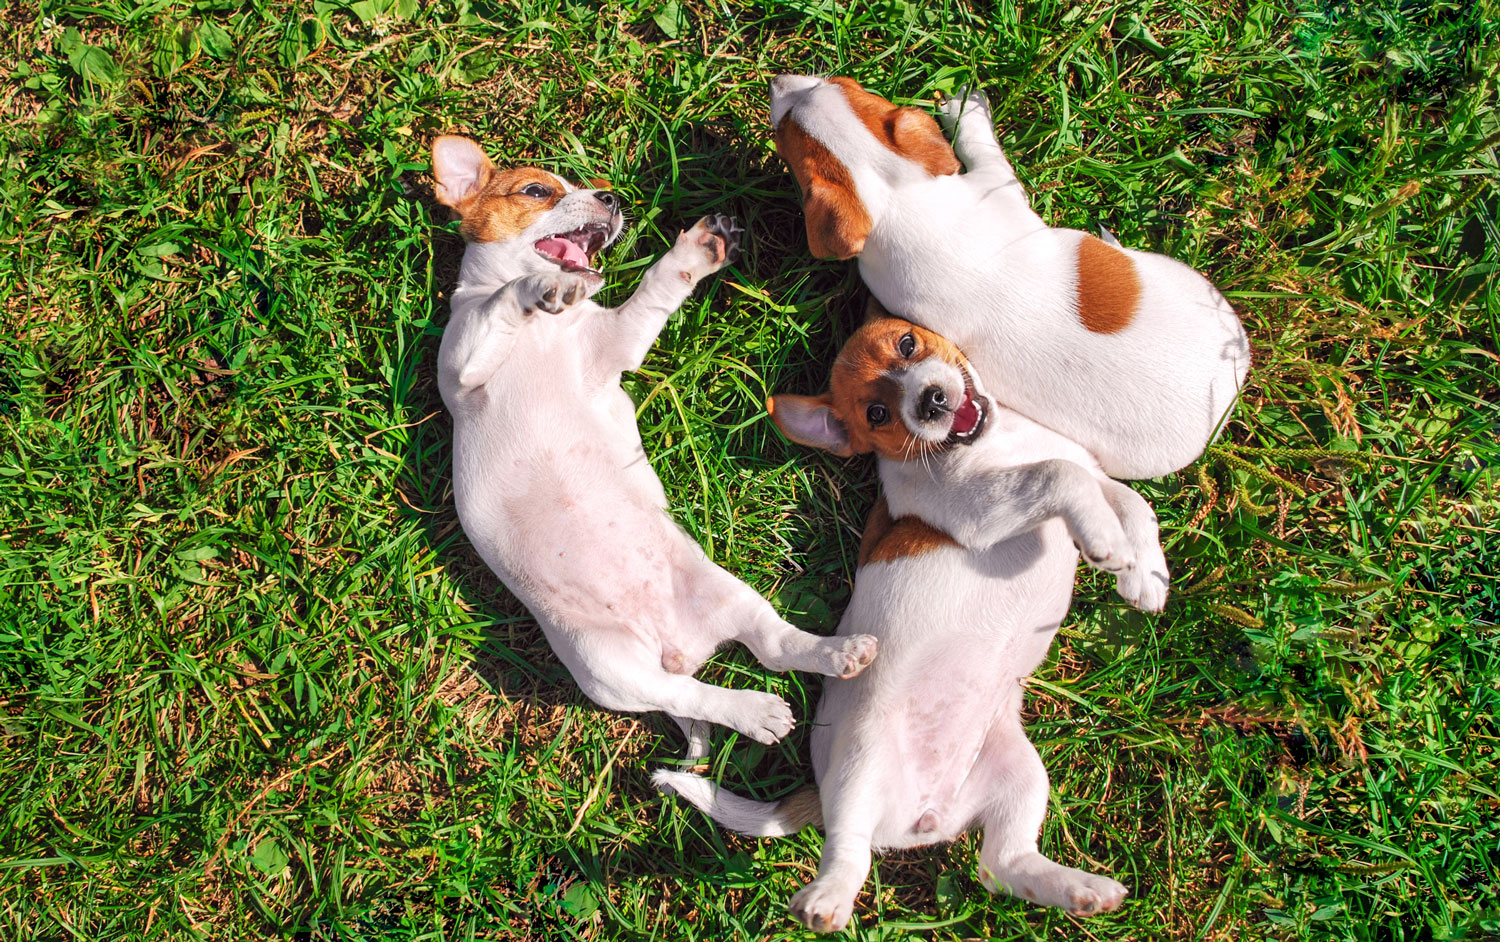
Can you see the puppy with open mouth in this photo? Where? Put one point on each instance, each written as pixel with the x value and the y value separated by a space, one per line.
pixel 552 484
pixel 965 573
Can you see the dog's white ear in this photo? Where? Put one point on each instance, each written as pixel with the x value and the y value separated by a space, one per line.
pixel 461 170
pixel 809 420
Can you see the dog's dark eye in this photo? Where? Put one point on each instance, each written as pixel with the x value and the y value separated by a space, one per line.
pixel 878 414
pixel 536 190
pixel 907 345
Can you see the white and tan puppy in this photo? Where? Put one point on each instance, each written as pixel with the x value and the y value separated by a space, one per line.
pixel 552 485
pixel 965 573
pixel 1133 355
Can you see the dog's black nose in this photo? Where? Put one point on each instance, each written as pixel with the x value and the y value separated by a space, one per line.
pixel 611 201
pixel 934 402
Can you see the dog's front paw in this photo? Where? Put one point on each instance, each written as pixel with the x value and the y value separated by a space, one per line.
pixel 1104 546
pixel 970 100
pixel 715 239
pixel 822 908
pixel 551 292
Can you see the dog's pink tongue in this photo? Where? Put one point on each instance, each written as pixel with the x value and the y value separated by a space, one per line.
pixel 564 249
pixel 966 417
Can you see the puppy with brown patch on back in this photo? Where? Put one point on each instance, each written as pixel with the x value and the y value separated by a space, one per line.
pixel 1133 355
pixel 965 573
pixel 552 484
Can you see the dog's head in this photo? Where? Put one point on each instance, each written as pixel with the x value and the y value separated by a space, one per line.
pixel 847 146
pixel 897 389
pixel 539 218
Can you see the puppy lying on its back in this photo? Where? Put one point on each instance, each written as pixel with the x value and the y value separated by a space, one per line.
pixel 552 485
pixel 1133 355
pixel 965 572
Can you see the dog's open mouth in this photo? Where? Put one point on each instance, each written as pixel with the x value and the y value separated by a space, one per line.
pixel 576 250
pixel 968 418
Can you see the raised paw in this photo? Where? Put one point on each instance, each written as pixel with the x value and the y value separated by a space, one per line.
pixel 970 100
pixel 553 293
pixel 717 238
pixel 764 717
pixel 853 655
pixel 822 908
pixel 1106 548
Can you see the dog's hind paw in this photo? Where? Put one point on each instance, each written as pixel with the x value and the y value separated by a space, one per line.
pixel 823 908
pixel 853 655
pixel 764 717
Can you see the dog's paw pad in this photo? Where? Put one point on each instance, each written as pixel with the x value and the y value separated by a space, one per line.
pixel 719 237
pixel 854 655
pixel 822 908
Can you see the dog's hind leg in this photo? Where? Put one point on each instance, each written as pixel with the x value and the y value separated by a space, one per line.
pixel 696 732
pixel 635 685
pixel 1009 859
pixel 744 616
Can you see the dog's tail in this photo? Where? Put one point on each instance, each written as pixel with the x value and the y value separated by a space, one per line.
pixel 755 818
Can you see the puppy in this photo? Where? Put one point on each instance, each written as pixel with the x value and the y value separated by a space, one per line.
pixel 552 485
pixel 965 572
pixel 1132 355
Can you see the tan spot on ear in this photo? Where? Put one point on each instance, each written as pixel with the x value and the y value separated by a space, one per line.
pixel 501 210
pixel 1109 289
pixel 874 310
pixel 886 538
pixel 910 132
pixel 599 183
pixel 837 222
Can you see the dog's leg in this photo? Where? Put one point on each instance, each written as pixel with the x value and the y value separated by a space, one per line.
pixel 631 685
pixel 1143 585
pixel 851 811
pixel 696 732
pixel 740 614
pixel 489 330
pixel 966 117
pixel 624 335
pixel 995 505
pixel 1009 859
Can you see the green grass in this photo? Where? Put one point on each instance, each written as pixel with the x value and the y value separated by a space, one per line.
pixel 253 680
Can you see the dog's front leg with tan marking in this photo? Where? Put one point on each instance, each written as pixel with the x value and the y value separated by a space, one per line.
pixel 488 332
pixel 625 335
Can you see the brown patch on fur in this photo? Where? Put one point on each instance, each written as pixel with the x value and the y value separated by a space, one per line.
pixel 801 808
pixel 910 132
pixel 886 539
pixel 837 222
pixel 1108 288
pixel 859 381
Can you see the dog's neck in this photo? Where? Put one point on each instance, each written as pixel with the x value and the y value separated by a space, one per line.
pixel 488 266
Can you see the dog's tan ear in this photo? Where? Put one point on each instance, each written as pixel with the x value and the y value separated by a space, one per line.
pixel 915 135
pixel 461 170
pixel 837 222
pixel 809 420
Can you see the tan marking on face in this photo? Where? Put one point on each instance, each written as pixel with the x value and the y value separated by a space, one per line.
pixel 1109 290
pixel 910 132
pixel 837 222
pixel 886 539
pixel 500 211
pixel 860 380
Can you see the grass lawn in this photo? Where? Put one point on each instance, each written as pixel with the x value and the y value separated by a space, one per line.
pixel 255 682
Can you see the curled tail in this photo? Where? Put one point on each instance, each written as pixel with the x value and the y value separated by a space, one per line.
pixel 755 818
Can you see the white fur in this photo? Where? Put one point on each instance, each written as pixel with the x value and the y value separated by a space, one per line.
pixel 965 256
pixel 556 493
pixel 927 742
